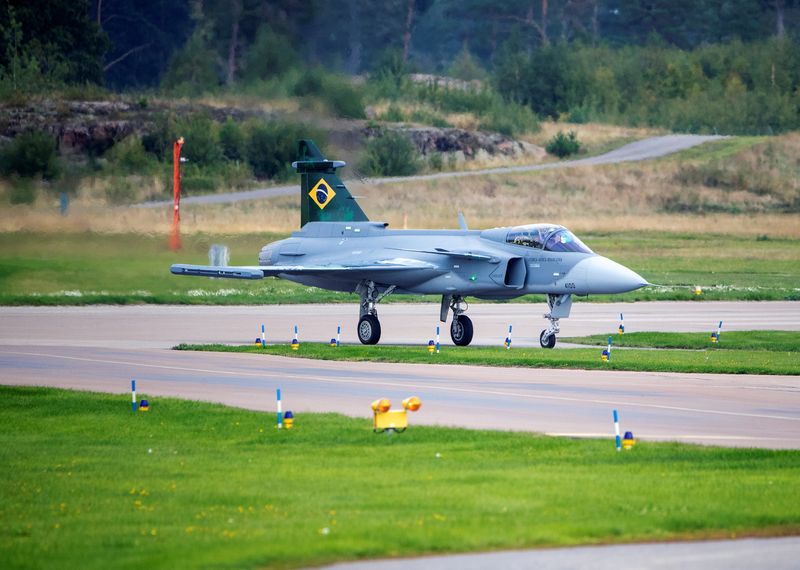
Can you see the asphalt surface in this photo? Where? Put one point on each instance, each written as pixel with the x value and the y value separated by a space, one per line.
pixel 646 149
pixel 154 326
pixel 746 554
pixel 102 348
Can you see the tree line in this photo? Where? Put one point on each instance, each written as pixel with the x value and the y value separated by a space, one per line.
pixel 130 43
pixel 735 87
pixel 688 65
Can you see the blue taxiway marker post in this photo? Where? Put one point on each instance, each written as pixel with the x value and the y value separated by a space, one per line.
pixel 280 411
pixel 263 336
pixel 605 356
pixel 621 328
pixel 133 395
pixel 437 339
pixel 508 338
pixel 616 430
pixel 715 337
pixel 338 335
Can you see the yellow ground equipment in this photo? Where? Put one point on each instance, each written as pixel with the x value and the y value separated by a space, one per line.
pixel 384 418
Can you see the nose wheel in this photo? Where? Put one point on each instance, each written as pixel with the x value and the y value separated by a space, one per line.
pixel 547 339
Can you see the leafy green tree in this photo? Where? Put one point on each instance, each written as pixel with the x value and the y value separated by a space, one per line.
pixel 242 32
pixel 192 69
pixel 391 154
pixel 161 137
pixel 390 68
pixel 270 55
pixel 129 156
pixel 67 44
pixel 539 81
pixel 271 147
pixel 563 145
pixel 231 139
pixel 201 140
pixel 30 154
pixel 144 34
pixel 22 73
pixel 466 67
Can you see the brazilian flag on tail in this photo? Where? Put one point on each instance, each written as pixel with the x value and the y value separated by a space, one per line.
pixel 323 195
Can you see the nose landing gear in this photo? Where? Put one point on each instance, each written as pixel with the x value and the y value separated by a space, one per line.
pixel 461 328
pixel 548 337
pixel 560 306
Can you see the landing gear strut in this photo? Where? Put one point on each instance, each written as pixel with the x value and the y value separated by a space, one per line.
pixel 369 327
pixel 560 306
pixel 461 329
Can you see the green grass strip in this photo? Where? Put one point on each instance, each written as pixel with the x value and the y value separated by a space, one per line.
pixel 775 341
pixel 707 361
pixel 86 483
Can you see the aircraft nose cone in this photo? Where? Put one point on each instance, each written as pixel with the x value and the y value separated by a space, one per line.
pixel 606 276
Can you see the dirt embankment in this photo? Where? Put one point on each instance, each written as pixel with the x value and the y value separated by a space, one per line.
pixel 92 127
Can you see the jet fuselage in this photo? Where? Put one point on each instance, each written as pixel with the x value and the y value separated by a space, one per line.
pixel 459 262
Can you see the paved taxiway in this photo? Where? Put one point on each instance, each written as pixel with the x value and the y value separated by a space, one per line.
pixel 102 348
pixel 745 554
pixel 154 326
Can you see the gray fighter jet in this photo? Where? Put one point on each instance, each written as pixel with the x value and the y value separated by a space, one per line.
pixel 340 249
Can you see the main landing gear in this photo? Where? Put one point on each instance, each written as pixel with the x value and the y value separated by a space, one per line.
pixel 369 327
pixel 560 306
pixel 461 329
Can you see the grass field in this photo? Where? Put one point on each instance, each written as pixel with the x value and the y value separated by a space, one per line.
pixel 711 360
pixel 86 483
pixel 84 268
pixel 744 187
pixel 773 341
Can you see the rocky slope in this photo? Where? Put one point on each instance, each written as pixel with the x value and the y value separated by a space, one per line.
pixel 85 128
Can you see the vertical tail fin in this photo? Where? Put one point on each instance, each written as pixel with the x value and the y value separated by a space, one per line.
pixel 323 195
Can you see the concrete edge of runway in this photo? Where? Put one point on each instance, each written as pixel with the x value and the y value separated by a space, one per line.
pixel 745 553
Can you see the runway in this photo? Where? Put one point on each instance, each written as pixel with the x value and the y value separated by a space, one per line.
pixel 154 326
pixel 102 348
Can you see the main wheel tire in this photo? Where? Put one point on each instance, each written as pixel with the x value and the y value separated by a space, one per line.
pixel 547 340
pixel 461 330
pixel 369 329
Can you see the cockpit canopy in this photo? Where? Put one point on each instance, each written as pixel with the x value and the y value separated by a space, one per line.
pixel 547 237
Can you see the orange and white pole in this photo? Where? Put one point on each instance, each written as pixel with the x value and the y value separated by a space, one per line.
pixel 175 239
